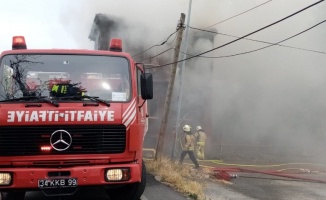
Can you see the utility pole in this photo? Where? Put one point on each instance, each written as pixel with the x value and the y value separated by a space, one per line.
pixel 182 71
pixel 160 143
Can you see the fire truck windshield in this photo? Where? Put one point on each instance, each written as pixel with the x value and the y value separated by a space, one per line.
pixel 55 76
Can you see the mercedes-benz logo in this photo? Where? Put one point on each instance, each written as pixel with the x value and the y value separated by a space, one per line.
pixel 60 140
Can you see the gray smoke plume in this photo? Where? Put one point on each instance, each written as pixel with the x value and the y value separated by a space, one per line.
pixel 269 104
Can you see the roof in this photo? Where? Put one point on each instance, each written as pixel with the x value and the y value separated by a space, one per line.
pixel 65 51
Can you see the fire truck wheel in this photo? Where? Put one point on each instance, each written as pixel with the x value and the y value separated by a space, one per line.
pixel 130 191
pixel 12 195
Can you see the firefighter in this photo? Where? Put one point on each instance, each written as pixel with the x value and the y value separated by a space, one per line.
pixel 189 146
pixel 200 136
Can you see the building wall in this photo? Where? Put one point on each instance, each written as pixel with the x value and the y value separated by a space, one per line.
pixel 197 100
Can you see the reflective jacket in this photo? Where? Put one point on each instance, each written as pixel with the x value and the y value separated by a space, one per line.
pixel 201 136
pixel 189 140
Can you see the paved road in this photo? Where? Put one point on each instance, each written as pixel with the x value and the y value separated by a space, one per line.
pixel 267 188
pixel 242 188
pixel 154 191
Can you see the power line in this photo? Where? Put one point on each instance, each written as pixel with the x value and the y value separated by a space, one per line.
pixel 165 41
pixel 256 31
pixel 205 28
pixel 172 42
pixel 157 54
pixel 227 19
pixel 271 44
pixel 275 43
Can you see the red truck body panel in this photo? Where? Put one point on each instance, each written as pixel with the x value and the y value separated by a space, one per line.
pixel 89 169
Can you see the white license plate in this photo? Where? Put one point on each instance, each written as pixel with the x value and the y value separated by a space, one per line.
pixel 58 183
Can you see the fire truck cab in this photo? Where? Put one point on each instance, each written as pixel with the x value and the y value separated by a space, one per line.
pixel 72 119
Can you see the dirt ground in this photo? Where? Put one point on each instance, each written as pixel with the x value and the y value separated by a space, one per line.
pixel 256 186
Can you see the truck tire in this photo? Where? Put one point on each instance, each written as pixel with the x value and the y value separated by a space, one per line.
pixel 131 191
pixel 13 195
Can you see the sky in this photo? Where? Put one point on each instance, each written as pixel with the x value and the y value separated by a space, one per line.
pixel 66 24
pixel 276 93
pixel 37 20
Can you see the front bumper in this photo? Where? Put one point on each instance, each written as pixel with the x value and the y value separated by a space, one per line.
pixel 27 178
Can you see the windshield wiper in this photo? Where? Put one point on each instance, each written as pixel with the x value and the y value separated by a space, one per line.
pixel 92 98
pixel 40 98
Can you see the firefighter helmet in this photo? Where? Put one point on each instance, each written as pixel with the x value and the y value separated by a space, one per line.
pixel 186 128
pixel 198 128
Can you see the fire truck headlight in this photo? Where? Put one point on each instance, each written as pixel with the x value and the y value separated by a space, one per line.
pixel 117 174
pixel 5 178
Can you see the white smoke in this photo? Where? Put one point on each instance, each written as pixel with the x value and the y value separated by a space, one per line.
pixel 275 96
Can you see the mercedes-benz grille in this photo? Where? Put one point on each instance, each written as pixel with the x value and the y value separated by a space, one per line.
pixel 85 139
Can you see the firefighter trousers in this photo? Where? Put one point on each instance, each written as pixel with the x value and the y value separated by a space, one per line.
pixel 191 156
pixel 200 150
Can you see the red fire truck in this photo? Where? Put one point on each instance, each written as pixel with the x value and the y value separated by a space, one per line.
pixel 71 119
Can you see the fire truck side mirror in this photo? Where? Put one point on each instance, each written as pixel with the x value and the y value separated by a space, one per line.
pixel 146 84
